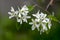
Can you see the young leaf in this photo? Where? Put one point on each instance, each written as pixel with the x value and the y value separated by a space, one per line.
pixel 31 8
pixel 53 18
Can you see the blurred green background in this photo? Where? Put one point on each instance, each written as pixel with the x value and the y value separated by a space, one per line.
pixel 8 30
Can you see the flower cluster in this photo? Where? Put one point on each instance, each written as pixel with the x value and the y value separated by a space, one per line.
pixel 40 22
pixel 20 14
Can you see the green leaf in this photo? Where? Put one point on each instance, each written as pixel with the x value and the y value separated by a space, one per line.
pixel 31 8
pixel 53 18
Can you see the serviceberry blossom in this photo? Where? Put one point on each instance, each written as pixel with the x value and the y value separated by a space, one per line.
pixel 42 20
pixel 24 10
pixel 23 14
pixel 22 18
pixel 34 24
pixel 20 15
pixel 13 13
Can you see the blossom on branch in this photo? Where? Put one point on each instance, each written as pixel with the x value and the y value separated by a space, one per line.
pixel 20 15
pixel 13 13
pixel 42 20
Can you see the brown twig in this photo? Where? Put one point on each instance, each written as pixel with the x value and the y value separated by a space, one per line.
pixel 49 4
pixel 36 5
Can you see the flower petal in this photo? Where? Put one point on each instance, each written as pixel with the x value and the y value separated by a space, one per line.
pixel 44 27
pixel 10 17
pixel 49 25
pixel 9 13
pixel 12 9
pixel 24 8
pixel 33 27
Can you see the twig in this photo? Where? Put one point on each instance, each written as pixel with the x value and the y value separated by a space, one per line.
pixel 49 4
pixel 36 5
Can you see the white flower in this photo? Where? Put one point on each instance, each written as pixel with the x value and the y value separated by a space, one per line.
pixel 13 13
pixel 39 15
pixel 42 15
pixel 46 20
pixel 42 20
pixel 34 24
pixel 24 10
pixel 22 18
pixel 44 27
pixel 23 14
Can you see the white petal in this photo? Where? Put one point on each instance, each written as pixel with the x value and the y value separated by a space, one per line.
pixel 37 15
pixel 16 12
pixel 21 22
pixel 34 15
pixel 45 15
pixel 12 9
pixel 19 15
pixel 25 20
pixel 44 26
pixel 23 13
pixel 42 15
pixel 38 11
pixel 37 26
pixel 18 20
pixel 37 20
pixel 9 13
pixel 30 23
pixel 46 20
pixel 24 8
pixel 33 27
pixel 28 16
pixel 49 25
pixel 10 17
pixel 26 11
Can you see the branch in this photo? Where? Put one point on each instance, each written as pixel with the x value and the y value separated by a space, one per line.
pixel 49 4
pixel 42 8
pixel 36 5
